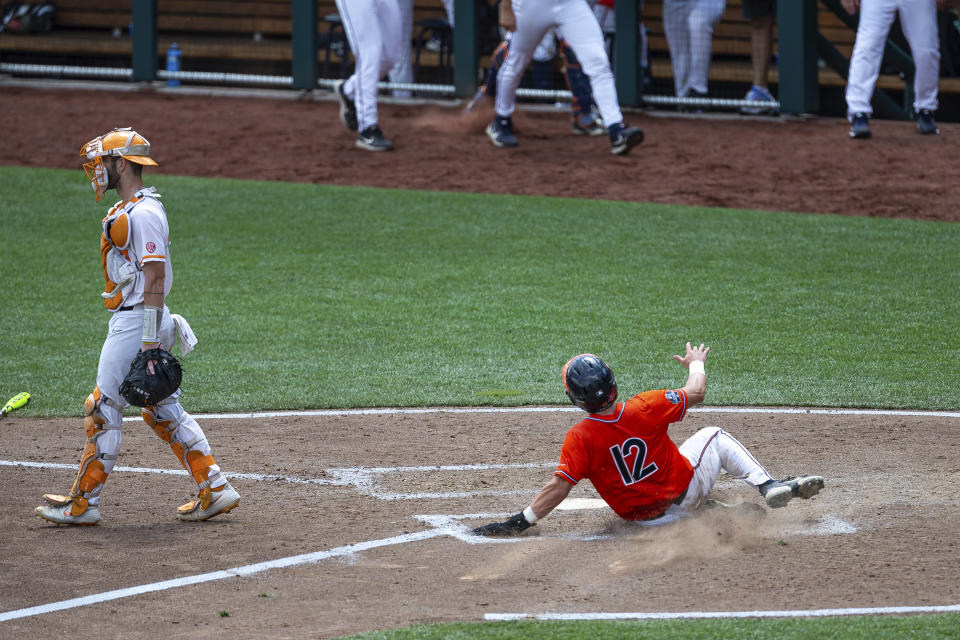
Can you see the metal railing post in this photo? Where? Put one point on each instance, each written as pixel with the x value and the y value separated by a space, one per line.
pixel 626 59
pixel 799 86
pixel 303 14
pixel 466 47
pixel 143 56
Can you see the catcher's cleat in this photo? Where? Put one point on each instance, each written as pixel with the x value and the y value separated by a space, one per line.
pixel 63 513
pixel 210 503
pixel 778 493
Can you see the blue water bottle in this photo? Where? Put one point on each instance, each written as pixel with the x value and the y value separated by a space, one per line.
pixel 173 64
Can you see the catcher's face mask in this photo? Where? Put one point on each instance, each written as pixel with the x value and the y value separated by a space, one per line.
pixel 124 143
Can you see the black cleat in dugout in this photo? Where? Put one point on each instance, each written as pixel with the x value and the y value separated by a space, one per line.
pixel 589 383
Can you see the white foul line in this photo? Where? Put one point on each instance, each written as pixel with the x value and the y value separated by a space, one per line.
pixel 235 572
pixel 442 525
pixel 699 615
pixel 360 478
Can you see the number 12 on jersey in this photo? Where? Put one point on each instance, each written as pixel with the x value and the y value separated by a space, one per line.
pixel 641 470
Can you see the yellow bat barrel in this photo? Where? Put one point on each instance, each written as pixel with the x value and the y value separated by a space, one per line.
pixel 15 402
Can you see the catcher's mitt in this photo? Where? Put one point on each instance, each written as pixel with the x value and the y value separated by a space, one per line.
pixel 141 388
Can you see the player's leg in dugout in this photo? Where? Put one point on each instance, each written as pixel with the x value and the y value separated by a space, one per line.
pixel 532 24
pixel 677 31
pixel 875 21
pixel 581 31
pixel 361 26
pixel 702 19
pixel 918 19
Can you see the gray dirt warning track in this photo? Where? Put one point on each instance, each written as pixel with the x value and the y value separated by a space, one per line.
pixel 349 488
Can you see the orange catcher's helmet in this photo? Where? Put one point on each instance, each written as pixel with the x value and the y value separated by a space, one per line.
pixel 125 143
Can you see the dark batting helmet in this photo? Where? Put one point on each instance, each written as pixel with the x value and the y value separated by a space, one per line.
pixel 589 383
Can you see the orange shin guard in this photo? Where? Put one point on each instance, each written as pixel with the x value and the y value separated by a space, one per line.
pixel 199 466
pixel 91 473
pixel 160 427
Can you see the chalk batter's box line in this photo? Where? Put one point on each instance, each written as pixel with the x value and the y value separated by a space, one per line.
pixel 360 478
pixel 481 410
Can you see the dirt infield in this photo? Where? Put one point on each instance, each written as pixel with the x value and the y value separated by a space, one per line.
pixel 775 164
pixel 883 532
pixel 349 488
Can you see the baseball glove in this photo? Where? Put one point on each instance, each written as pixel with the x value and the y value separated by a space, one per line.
pixel 514 526
pixel 142 388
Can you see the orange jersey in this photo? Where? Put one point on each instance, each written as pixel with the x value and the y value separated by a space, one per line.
pixel 627 455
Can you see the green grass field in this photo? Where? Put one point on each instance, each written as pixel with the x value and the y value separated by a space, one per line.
pixel 307 296
pixel 932 627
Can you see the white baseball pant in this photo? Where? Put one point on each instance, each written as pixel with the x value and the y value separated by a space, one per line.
pixel 124 335
pixel 373 30
pixel 711 450
pixel 919 21
pixel 402 71
pixel 581 31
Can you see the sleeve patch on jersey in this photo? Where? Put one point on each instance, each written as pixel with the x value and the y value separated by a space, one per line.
pixel 672 396
pixel 151 247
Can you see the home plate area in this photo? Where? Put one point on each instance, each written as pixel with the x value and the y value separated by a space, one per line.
pixel 353 522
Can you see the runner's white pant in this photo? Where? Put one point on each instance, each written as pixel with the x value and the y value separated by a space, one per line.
pixel 688 25
pixel 373 30
pixel 581 31
pixel 919 21
pixel 711 450
pixel 123 341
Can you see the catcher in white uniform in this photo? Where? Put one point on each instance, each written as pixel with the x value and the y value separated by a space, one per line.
pixel 135 255
pixel 919 21
pixel 374 31
pixel 529 23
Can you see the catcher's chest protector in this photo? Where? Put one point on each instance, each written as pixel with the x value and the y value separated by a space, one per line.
pixel 116 238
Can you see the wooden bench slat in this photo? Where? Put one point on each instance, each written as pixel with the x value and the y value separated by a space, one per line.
pixel 218 24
